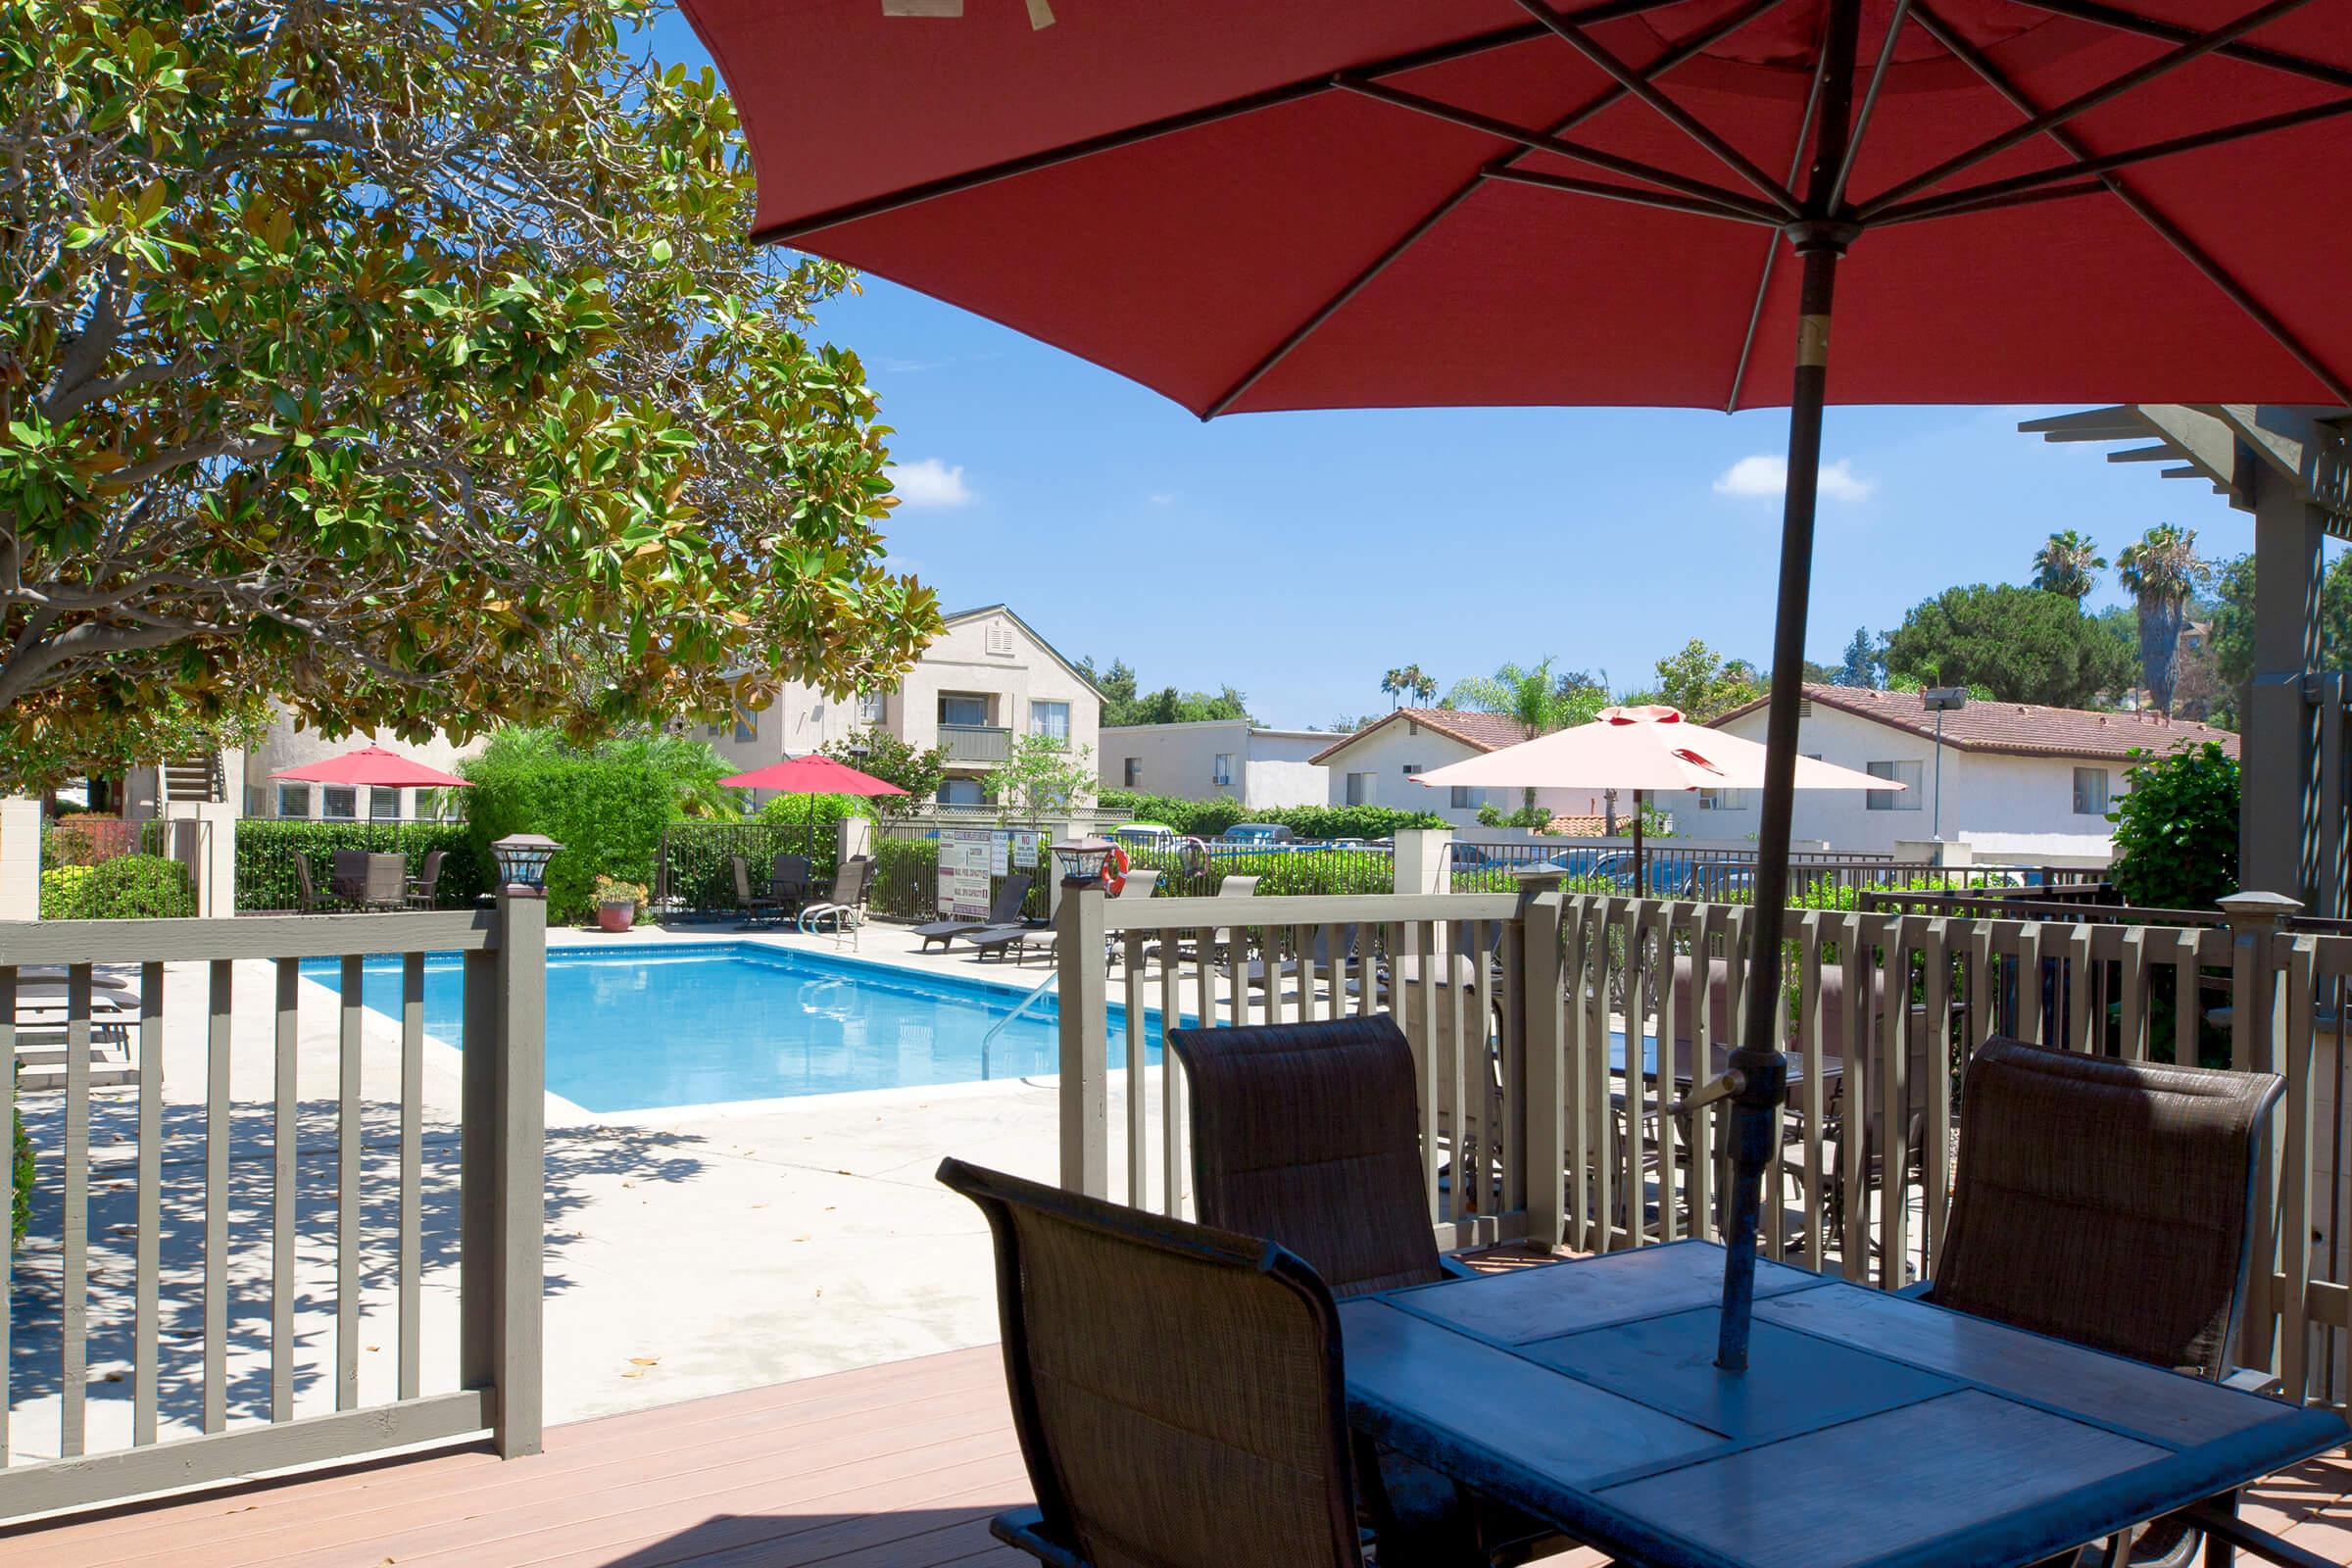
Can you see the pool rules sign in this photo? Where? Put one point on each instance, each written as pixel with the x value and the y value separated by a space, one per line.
pixel 965 855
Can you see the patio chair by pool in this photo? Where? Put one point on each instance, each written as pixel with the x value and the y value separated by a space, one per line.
pixel 1016 937
pixel 348 880
pixel 845 908
pixel 755 906
pixel 1308 1134
pixel 788 877
pixel 427 882
pixel 2110 1204
pixel 1003 911
pixel 1220 940
pixel 306 891
pixel 1178 1390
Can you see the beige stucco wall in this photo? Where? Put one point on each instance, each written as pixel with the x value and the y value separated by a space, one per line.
pixel 1270 767
pixel 1386 753
pixel 287 745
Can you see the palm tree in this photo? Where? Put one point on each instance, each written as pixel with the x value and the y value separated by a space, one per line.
pixel 1538 700
pixel 2162 570
pixel 1409 681
pixel 2065 562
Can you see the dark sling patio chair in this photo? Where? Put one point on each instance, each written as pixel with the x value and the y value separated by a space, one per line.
pixel 788 877
pixel 1004 910
pixel 2110 1204
pixel 426 883
pixel 755 906
pixel 1178 1390
pixel 1308 1134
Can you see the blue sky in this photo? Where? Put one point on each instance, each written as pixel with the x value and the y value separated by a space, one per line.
pixel 1298 556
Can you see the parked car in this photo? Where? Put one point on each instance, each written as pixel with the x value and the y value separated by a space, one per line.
pixel 1142 834
pixel 1258 835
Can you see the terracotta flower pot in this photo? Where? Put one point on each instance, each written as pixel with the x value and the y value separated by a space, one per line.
pixel 615 916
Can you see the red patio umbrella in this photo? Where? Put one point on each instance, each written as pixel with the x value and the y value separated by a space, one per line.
pixel 374 764
pixel 812 775
pixel 1347 203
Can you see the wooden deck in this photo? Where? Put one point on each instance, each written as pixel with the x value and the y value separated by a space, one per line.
pixel 896 1466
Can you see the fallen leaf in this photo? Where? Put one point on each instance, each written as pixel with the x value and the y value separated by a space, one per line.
pixel 636 1374
pixel 758 1205
pixel 645 1360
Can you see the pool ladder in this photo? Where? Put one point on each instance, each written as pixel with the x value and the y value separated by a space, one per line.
pixel 1001 1024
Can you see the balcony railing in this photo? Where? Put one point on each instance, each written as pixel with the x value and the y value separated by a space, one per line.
pixel 975 743
pixel 1537 1131
pixel 242 1252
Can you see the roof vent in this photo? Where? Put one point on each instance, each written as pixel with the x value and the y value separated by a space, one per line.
pixel 1805 708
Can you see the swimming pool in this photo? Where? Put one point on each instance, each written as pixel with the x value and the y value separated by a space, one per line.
pixel 704 1024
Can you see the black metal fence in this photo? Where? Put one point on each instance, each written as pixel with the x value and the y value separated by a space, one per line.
pixel 100 869
pixel 696 875
pixel 1195 868
pixel 1666 869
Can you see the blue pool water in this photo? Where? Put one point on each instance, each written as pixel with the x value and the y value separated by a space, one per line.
pixel 710 1022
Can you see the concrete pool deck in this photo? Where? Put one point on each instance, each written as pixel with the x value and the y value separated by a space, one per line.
pixel 689 1251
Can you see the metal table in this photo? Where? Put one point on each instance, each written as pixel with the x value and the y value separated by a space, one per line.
pixel 1870 1429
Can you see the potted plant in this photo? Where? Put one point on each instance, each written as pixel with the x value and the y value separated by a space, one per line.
pixel 616 903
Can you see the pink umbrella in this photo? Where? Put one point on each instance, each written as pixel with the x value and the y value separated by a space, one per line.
pixel 374 764
pixel 1642 750
pixel 812 775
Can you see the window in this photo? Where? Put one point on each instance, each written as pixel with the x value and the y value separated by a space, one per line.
pixel 1359 789
pixel 1458 799
pixel 2091 792
pixel 1220 771
pixel 294 800
pixel 968 712
pixel 1908 774
pixel 1051 721
pixel 746 725
pixel 383 804
pixel 873 708
pixel 713 731
pixel 1410 768
pixel 342 804
pixel 960 792
pixel 1723 800
pixel 1131 773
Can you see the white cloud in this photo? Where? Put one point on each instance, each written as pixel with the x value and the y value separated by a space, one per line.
pixel 1765 475
pixel 1163 498
pixel 930 482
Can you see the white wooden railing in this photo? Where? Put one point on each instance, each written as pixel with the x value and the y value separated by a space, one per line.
pixel 1564 1147
pixel 244 1414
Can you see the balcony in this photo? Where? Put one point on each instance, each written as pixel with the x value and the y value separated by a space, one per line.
pixel 975 743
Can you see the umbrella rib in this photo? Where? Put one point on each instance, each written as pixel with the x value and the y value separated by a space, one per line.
pixel 2171 232
pixel 2163 64
pixel 929 190
pixel 1870 103
pixel 1772 248
pixel 2173 32
pixel 1717 196
pixel 1565 27
pixel 1996 203
pixel 1703 39
pixel 1634 195
pixel 2108 163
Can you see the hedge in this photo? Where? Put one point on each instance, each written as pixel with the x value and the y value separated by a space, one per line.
pixel 267 849
pixel 697 859
pixel 608 812
pixel 1208 819
pixel 128 887
pixel 20 1191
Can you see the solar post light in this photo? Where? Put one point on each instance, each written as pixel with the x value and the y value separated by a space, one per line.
pixel 522 862
pixel 1939 700
pixel 1082 862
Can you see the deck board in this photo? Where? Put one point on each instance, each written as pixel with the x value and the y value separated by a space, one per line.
pixel 895 1466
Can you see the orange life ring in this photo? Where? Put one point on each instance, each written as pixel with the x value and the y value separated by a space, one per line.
pixel 1114 872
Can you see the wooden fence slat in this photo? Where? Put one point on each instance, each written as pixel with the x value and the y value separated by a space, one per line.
pixel 219 1000
pixel 8 1191
pixel 284 1238
pixel 146 1286
pixel 74 1286
pixel 1860 973
pixel 1171 1113
pixel 1671 1132
pixel 350 1144
pixel 1935 1163
pixel 1453 1074
pixel 1425 1018
pixel 1702 1130
pixel 2292 1300
pixel 1808 995
pixel 1138 1075
pixel 2131 998
pixel 411 1170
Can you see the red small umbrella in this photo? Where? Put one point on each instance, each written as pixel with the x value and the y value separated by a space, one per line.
pixel 374 764
pixel 812 775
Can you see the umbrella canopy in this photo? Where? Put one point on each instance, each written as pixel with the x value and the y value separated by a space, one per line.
pixel 813 775
pixel 1639 749
pixel 374 764
pixel 1349 203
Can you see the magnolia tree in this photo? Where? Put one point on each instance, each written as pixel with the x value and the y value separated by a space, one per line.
pixel 407 363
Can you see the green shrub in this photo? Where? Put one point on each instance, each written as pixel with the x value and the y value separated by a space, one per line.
pixel 1209 818
pixel 20 1189
pixel 609 813
pixel 267 849
pixel 128 887
pixel 2176 833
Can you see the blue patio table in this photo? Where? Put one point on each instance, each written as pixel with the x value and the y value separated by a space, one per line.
pixel 1869 1427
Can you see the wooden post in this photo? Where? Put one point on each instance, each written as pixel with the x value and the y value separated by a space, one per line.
pixel 2279 823
pixel 1078 935
pixel 1543 1092
pixel 2257 1044
pixel 500 1265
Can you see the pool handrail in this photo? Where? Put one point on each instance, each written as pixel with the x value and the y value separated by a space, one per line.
pixel 1001 1024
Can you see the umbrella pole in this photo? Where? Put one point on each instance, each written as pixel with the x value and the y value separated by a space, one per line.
pixel 1641 878
pixel 1758 1070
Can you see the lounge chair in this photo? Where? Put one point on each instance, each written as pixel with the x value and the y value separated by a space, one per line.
pixel 1178 1391
pixel 1306 1134
pixel 2110 1204
pixel 1220 940
pixel 1016 937
pixel 755 906
pixel 845 908
pixel 1003 910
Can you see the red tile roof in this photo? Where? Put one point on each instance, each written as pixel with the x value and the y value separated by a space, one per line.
pixel 1481 732
pixel 2016 729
